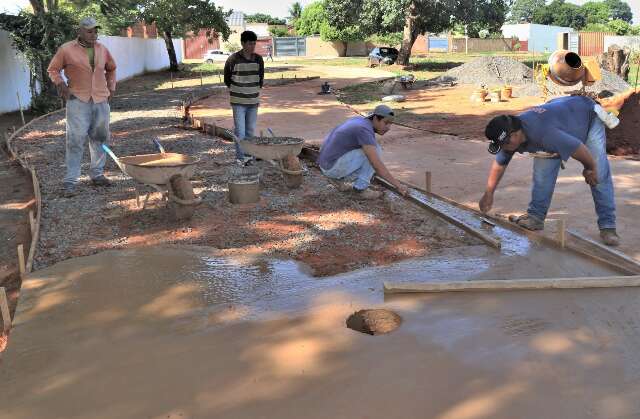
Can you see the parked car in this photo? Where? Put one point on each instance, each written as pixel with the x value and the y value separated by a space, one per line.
pixel 382 55
pixel 215 55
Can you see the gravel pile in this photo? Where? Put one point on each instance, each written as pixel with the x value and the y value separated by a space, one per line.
pixel 498 71
pixel 315 224
pixel 490 71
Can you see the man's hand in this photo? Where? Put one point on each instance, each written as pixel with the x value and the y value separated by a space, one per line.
pixel 111 94
pixel 63 91
pixel 486 202
pixel 403 190
pixel 590 176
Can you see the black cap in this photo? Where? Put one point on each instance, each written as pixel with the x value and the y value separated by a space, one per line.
pixel 498 131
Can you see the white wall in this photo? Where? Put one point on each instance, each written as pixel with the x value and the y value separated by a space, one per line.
pixel 632 42
pixel 14 77
pixel 133 56
pixel 539 37
pixel 136 56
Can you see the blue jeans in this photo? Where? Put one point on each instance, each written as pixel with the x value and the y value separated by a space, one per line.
pixel 86 120
pixel 245 118
pixel 353 166
pixel 545 173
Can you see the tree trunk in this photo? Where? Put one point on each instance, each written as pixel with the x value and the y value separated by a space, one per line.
pixel 173 61
pixel 409 35
pixel 37 6
pixel 616 60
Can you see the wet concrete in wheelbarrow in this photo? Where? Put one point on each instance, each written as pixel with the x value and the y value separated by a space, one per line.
pixel 182 332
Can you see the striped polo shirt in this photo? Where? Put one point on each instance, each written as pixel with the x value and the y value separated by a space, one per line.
pixel 244 78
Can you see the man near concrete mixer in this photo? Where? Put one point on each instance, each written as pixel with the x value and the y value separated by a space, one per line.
pixel 91 81
pixel 350 155
pixel 569 127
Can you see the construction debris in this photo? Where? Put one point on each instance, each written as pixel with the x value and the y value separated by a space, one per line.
pixel 623 139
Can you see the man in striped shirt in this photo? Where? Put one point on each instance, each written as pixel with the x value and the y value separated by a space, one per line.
pixel 244 76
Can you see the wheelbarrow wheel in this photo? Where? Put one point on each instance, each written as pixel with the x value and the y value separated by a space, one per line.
pixel 181 188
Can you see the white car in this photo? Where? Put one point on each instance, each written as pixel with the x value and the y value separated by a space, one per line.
pixel 215 55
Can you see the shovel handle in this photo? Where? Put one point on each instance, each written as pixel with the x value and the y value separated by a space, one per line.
pixel 158 145
pixel 113 156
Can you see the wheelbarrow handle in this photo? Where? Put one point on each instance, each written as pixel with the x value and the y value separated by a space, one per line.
pixel 113 156
pixel 158 145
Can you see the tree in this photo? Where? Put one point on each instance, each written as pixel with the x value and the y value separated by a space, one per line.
pixel 413 17
pixel 313 21
pixel 597 12
pixel 523 10
pixel 37 35
pixel 560 13
pixel 619 10
pixel 310 20
pixel 264 18
pixel 619 27
pixel 278 32
pixel 178 18
pixel 295 11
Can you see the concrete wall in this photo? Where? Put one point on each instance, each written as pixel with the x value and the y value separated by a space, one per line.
pixel 632 42
pixel 133 56
pixel 540 38
pixel 460 45
pixel 136 56
pixel 15 77
pixel 316 47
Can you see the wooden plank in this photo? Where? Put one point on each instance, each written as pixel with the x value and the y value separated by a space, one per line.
pixel 32 221
pixel 513 284
pixel 491 241
pixel 35 234
pixel 621 257
pixel 21 264
pixel 4 309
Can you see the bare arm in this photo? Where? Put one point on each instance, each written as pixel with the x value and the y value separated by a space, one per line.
pixel 590 171
pixel 495 175
pixel 372 154
pixel 110 73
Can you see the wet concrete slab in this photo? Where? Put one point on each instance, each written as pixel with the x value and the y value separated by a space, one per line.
pixel 183 333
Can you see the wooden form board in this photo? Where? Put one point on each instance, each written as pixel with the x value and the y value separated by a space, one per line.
pixel 512 284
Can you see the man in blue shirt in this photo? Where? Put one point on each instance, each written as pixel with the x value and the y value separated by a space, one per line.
pixel 350 153
pixel 566 127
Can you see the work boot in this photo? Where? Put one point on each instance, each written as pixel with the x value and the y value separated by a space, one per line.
pixel 101 181
pixel 528 221
pixel 69 190
pixel 367 194
pixel 609 236
pixel 340 185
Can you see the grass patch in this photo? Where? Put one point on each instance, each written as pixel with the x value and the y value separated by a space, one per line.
pixel 361 93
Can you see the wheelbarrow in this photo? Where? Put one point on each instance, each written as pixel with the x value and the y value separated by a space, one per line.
pixel 156 170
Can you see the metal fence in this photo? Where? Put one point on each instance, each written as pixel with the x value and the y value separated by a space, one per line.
pixel 592 43
pixel 291 46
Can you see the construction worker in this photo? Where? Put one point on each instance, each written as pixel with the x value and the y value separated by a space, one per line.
pixel 244 76
pixel 567 127
pixel 91 74
pixel 350 153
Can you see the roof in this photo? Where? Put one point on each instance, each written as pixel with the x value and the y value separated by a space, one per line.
pixel 236 19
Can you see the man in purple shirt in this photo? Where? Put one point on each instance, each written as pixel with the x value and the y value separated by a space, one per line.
pixel 350 153
pixel 567 127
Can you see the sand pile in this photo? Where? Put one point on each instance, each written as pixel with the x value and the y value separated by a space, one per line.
pixel 624 139
pixel 499 71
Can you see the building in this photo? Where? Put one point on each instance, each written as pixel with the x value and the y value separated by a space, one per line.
pixel 534 37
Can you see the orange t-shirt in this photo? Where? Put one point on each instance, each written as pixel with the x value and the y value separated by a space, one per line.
pixel 84 82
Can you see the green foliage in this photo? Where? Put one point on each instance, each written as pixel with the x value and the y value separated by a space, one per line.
pixel 279 32
pixel 390 39
pixel 620 10
pixel 596 27
pixel 179 17
pixel 38 37
pixel 560 13
pixel 109 25
pixel 596 12
pixel 295 10
pixel 523 10
pixel 619 27
pixel 311 19
pixel 264 18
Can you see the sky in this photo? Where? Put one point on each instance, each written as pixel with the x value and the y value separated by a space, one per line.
pixel 277 8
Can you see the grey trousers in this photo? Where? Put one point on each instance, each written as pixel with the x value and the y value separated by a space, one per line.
pixel 86 120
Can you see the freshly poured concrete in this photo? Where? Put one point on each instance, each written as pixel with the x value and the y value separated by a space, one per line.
pixel 183 333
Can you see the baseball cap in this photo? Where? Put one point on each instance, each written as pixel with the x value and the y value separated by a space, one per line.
pixel 89 23
pixel 498 131
pixel 383 111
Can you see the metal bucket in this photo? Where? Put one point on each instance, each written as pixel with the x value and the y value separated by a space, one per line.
pixel 244 185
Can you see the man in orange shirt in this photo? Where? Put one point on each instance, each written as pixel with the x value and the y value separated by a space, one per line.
pixel 91 81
